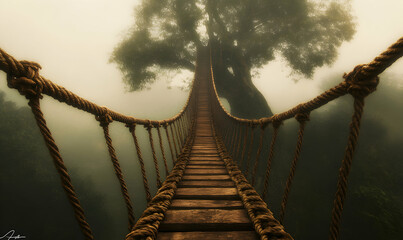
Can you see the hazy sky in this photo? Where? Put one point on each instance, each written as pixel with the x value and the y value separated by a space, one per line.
pixel 73 40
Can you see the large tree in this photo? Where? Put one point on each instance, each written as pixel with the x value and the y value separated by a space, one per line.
pixel 245 35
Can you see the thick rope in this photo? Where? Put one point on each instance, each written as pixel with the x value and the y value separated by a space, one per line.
pixel 244 145
pixel 359 90
pixel 262 218
pixel 232 151
pixel 239 143
pixel 132 129
pixel 105 120
pixel 147 226
pixel 162 150
pixel 249 151
pixel 259 151
pixel 61 169
pixel 276 126
pixel 157 170
pixel 170 144
pixel 301 118
pixel 174 141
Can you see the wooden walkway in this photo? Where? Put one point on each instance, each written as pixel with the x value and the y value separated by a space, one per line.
pixel 206 204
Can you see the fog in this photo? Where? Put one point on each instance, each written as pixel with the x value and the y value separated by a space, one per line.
pixel 73 41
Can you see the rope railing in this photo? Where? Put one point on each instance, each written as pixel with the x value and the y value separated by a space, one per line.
pixel 24 76
pixel 359 83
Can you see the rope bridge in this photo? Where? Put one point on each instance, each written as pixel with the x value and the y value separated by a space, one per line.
pixel 205 195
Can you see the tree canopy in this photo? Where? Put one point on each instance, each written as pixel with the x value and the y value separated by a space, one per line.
pixel 166 35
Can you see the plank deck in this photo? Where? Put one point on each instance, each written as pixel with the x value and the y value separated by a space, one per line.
pixel 206 204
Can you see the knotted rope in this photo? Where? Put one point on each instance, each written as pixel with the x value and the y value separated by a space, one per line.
pixel 104 121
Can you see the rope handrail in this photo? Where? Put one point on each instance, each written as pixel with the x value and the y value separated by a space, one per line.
pixel 361 74
pixel 21 69
pixel 359 83
pixel 24 76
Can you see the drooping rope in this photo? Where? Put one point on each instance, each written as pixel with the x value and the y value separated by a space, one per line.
pixel 162 150
pixel 104 121
pixel 302 119
pixel 169 144
pixel 132 129
pixel 259 151
pixel 276 126
pixel 157 170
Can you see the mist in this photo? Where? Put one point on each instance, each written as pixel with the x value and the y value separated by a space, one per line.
pixel 73 41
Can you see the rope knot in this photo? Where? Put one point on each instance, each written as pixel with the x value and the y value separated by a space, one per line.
pixel 302 117
pixel 276 122
pixel 149 125
pixel 27 81
pixel 262 123
pixel 358 85
pixel 104 119
pixel 131 126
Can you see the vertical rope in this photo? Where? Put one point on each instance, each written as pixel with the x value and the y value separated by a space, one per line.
pixel 301 118
pixel 249 152
pixel 132 129
pixel 359 89
pixel 345 168
pixel 276 126
pixel 244 145
pixel 170 144
pixel 174 141
pixel 61 168
pixel 177 137
pixel 259 150
pixel 231 139
pixel 162 150
pixel 235 139
pixel 239 143
pixel 157 171
pixel 178 129
pixel 105 120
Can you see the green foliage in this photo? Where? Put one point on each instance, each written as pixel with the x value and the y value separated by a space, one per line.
pixel 167 34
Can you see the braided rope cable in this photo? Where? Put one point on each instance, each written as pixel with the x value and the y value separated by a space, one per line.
pixel 155 160
pixel 302 118
pixel 17 69
pixel 244 145
pixel 105 120
pixel 169 144
pixel 259 151
pixel 276 126
pixel 262 218
pixel 239 143
pixel 359 90
pixel 248 159
pixel 174 141
pixel 365 72
pixel 232 151
pixel 61 169
pixel 132 129
pixel 147 226
pixel 162 150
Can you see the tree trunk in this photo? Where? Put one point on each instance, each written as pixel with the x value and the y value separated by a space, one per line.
pixel 234 83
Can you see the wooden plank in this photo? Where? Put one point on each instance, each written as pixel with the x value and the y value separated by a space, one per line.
pixel 206 171
pixel 205 204
pixel 207 193
pixel 205 158
pixel 205 163
pixel 243 235
pixel 206 177
pixel 204 167
pixel 206 220
pixel 206 184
